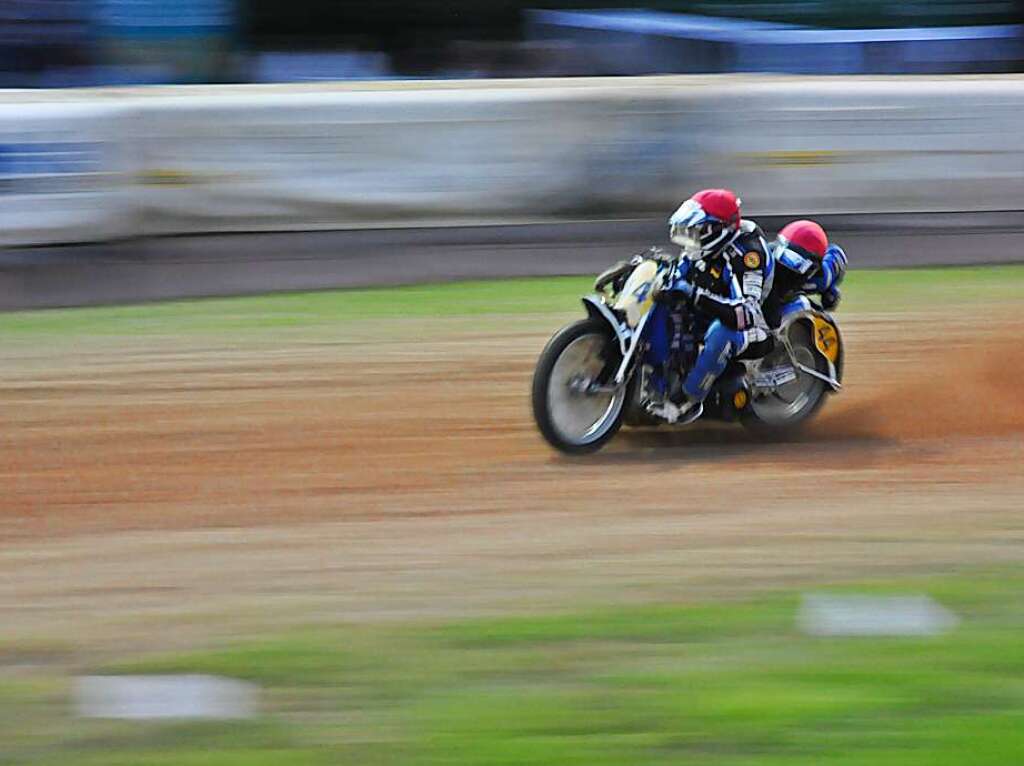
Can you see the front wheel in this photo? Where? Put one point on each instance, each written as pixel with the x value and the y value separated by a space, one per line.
pixel 574 411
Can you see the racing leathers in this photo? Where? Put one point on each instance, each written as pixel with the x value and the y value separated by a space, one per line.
pixel 729 288
pixel 797 274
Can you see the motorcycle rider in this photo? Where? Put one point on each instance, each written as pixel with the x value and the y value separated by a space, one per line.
pixel 726 273
pixel 805 263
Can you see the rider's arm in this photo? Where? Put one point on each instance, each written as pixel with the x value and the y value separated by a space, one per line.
pixel 831 271
pixel 742 311
pixel 734 313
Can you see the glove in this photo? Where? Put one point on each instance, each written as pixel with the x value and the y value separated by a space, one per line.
pixel 830 298
pixel 702 278
pixel 668 293
pixel 678 293
pixel 679 286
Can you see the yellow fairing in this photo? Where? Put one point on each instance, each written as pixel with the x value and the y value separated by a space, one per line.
pixel 826 338
pixel 638 294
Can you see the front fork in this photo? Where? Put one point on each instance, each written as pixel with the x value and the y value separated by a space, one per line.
pixel 629 340
pixel 628 358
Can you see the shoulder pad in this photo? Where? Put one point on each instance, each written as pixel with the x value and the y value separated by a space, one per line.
pixel 793 261
pixel 747 226
pixel 752 240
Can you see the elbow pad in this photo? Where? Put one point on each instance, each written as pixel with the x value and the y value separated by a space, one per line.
pixel 735 315
pixel 714 307
pixel 835 259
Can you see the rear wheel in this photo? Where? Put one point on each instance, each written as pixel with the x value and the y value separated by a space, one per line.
pixel 572 411
pixel 794 403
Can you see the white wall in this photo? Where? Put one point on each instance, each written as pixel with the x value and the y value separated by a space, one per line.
pixel 87 165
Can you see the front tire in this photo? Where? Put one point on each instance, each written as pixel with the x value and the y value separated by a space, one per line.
pixel 573 421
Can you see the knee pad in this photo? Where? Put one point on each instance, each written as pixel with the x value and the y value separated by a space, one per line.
pixel 720 339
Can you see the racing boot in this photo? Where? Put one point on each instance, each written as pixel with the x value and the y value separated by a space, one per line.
pixel 687 411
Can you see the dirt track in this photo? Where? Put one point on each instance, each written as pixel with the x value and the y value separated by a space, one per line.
pixel 199 487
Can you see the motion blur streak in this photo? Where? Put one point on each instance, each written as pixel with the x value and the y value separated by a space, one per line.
pixel 91 165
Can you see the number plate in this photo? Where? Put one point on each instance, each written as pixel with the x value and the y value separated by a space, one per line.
pixel 826 339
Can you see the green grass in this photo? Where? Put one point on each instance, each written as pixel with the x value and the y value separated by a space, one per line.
pixel 895 289
pixel 865 290
pixel 725 684
pixel 298 310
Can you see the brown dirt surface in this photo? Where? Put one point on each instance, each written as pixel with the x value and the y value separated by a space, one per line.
pixel 159 490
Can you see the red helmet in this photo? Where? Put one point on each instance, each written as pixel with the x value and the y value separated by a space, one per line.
pixel 706 222
pixel 805 238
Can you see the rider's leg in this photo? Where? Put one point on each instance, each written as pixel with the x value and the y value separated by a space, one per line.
pixel 720 345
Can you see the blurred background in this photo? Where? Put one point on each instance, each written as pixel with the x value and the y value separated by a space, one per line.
pixel 53 43
pixel 328 116
pixel 273 280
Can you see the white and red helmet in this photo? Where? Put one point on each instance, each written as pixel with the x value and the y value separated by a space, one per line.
pixel 706 222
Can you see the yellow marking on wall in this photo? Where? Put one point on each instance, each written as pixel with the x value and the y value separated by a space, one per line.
pixel 794 159
pixel 165 177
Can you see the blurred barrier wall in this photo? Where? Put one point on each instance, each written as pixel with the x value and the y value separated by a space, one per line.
pixel 89 165
pixel 324 160
pixel 64 172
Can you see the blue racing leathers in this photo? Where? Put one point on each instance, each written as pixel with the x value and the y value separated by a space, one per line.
pixel 796 275
pixel 729 288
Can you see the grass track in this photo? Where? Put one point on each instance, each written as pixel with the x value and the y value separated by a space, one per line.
pixel 868 290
